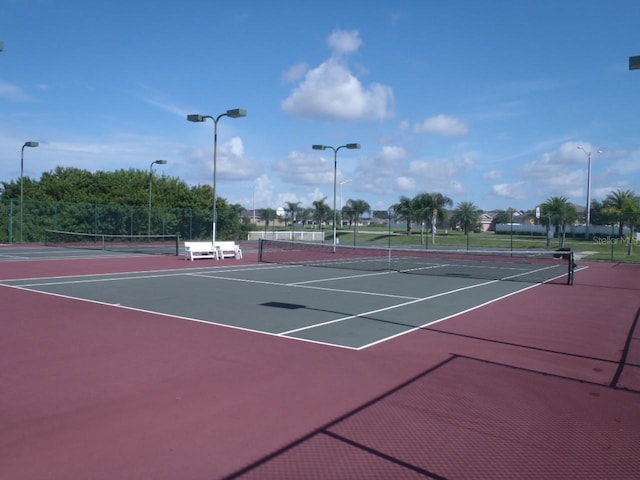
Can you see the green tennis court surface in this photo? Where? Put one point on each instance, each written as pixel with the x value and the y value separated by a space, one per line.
pixel 346 308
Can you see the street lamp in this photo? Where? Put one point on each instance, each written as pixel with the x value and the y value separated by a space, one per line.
pixel 342 183
pixel 26 144
pixel 588 154
pixel 235 113
pixel 350 146
pixel 159 162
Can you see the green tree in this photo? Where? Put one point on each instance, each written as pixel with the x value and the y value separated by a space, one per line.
pixel 292 208
pixel 404 211
pixel 466 215
pixel 630 212
pixel 268 215
pixel 359 207
pixel 619 203
pixel 561 214
pixel 501 217
pixel 349 213
pixel 321 211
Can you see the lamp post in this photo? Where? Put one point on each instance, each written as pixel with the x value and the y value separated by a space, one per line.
pixel 159 162
pixel 350 146
pixel 26 144
pixel 235 113
pixel 588 219
pixel 342 183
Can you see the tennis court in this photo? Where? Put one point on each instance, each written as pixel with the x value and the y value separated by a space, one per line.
pixel 135 366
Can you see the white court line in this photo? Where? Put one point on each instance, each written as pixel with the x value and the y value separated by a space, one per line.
pixel 475 307
pixel 299 285
pixel 416 300
pixel 125 275
pixel 201 272
pixel 180 317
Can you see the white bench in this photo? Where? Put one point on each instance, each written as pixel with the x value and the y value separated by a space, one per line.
pixel 228 249
pixel 193 250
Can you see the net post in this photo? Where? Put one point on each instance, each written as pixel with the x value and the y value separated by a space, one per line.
pixel 260 241
pixel 177 244
pixel 572 268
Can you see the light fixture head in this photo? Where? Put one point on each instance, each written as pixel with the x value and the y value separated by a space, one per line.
pixel 318 147
pixel 161 162
pixel 353 146
pixel 236 113
pixel 194 117
pixel 31 144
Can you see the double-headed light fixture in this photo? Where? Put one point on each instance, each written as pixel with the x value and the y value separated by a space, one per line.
pixel 350 146
pixel 235 113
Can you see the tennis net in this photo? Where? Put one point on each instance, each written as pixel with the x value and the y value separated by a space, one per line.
pixel 510 265
pixel 147 244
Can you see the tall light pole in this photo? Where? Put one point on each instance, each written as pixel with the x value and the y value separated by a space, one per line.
pixel 159 162
pixel 235 113
pixel 350 146
pixel 26 144
pixel 588 219
pixel 342 183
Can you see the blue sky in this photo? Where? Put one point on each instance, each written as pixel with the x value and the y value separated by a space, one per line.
pixel 483 101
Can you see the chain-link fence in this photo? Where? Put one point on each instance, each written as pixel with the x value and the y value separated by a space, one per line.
pixel 26 223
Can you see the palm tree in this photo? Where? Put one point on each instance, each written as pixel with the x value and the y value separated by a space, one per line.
pixel 268 215
pixel 561 213
pixel 359 207
pixel 616 202
pixel 467 215
pixel 438 202
pixel 630 212
pixel 321 211
pixel 349 213
pixel 403 211
pixel 292 208
pixel 422 208
pixel 305 214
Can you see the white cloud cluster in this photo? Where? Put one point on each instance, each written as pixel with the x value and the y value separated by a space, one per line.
pixel 331 91
pixel 442 125
pixel 302 169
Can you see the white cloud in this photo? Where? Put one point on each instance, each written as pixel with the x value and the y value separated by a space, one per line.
pixel 304 169
pixel 492 175
pixel 231 163
pixel 331 91
pixel 344 42
pixel 405 184
pixel 442 125
pixel 510 190
pixel 296 72
pixel 14 93
pixel 442 169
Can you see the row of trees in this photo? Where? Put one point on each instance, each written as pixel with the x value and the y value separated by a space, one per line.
pixel 320 214
pixel 133 187
pixel 428 210
pixel 86 202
